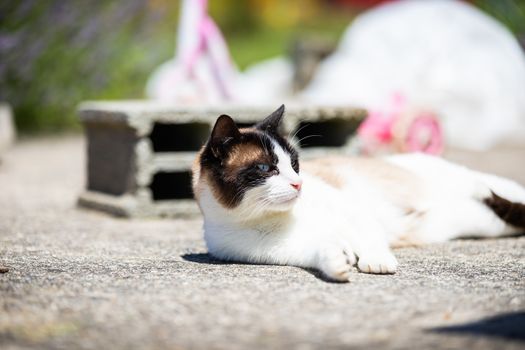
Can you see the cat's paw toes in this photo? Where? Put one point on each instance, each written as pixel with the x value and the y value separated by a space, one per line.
pixel 380 263
pixel 336 264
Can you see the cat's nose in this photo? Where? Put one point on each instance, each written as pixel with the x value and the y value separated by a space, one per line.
pixel 297 185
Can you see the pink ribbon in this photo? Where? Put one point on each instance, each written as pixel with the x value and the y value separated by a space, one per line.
pixel 209 41
pixel 401 130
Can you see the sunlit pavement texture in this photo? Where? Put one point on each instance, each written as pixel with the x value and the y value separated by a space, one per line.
pixel 83 280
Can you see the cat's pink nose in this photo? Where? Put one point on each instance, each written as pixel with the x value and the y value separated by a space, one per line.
pixel 297 185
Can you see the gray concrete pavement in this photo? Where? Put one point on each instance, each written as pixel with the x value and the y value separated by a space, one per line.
pixel 83 280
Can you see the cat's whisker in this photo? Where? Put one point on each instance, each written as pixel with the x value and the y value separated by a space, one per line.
pixel 309 136
pixel 305 138
pixel 297 131
pixel 294 143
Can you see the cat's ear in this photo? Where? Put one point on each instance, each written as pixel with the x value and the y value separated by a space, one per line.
pixel 223 131
pixel 272 122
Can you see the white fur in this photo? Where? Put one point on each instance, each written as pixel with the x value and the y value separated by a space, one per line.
pixel 327 228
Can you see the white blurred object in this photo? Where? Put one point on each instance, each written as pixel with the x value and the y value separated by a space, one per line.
pixel 202 70
pixel 269 81
pixel 7 127
pixel 444 55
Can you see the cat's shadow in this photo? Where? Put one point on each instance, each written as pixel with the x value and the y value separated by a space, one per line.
pixel 205 258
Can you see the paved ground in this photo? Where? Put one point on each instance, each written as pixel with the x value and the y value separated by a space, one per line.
pixel 79 279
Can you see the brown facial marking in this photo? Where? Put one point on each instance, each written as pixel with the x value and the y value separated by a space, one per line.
pixel 240 157
pixel 245 154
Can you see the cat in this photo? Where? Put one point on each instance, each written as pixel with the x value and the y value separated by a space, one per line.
pixel 260 205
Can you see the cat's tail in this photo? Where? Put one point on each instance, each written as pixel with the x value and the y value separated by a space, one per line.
pixel 506 200
pixel 466 203
pixel 513 213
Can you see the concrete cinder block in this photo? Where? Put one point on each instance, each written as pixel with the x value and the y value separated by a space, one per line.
pixel 139 153
pixel 7 127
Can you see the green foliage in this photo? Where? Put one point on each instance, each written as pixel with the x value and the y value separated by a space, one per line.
pixel 509 12
pixel 60 53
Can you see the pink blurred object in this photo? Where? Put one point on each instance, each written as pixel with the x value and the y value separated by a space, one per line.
pixel 401 129
pixel 202 70
pixel 209 40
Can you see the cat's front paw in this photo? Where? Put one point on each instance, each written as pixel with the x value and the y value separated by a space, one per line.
pixel 381 263
pixel 337 262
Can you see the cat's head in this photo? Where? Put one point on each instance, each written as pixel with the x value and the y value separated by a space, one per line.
pixel 251 170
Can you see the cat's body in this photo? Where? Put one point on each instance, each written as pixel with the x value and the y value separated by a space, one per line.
pixel 258 208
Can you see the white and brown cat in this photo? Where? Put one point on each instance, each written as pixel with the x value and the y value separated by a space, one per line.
pixel 261 206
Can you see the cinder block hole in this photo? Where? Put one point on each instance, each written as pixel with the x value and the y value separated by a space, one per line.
pixel 175 185
pixel 331 133
pixel 179 137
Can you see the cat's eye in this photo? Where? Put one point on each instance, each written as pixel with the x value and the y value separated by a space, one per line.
pixel 263 167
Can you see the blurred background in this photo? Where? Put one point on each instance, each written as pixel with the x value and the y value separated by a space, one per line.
pixel 54 54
